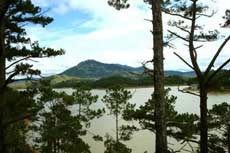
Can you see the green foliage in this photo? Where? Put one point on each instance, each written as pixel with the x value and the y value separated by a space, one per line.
pixel 84 99
pixel 17 44
pixel 123 81
pixel 126 131
pixel 116 99
pixel 227 18
pixel 111 81
pixel 219 123
pixel 221 81
pixel 175 80
pixel 21 109
pixel 59 130
pixel 182 127
pixel 16 138
pixel 113 146
pixel 119 4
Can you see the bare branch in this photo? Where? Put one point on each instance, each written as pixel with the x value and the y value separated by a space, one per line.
pixel 198 47
pixel 206 15
pixel 175 14
pixel 184 60
pixel 35 60
pixel 216 55
pixel 179 150
pixel 175 34
pixel 9 79
pixel 199 40
pixel 147 70
pixel 216 71
pixel 7 73
pixel 25 58
pixel 191 146
pixel 183 29
pixel 148 20
pixel 188 92
pixel 190 140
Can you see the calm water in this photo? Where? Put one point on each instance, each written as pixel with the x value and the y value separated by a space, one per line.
pixel 144 140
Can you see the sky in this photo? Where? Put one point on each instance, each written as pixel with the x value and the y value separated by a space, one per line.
pixel 90 29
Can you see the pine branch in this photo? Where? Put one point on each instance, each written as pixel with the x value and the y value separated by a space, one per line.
pixel 175 14
pixel 206 15
pixel 181 58
pixel 175 34
pixel 216 71
pixel 148 71
pixel 183 29
pixel 191 39
pixel 19 118
pixel 148 20
pixel 188 92
pixel 198 47
pixel 9 79
pixel 25 58
pixel 215 56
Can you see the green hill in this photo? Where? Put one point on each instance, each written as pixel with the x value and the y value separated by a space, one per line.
pixel 92 69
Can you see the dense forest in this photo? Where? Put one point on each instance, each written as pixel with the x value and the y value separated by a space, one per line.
pixel 220 83
pixel 43 119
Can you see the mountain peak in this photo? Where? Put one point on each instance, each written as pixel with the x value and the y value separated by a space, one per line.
pixel 94 69
pixel 90 61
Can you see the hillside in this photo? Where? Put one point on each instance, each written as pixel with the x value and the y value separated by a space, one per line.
pixel 92 69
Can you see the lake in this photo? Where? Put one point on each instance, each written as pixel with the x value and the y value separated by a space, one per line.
pixel 144 140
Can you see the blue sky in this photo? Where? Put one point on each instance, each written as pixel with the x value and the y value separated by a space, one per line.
pixel 90 29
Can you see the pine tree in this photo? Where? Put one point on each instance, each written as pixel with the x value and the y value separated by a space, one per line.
pixel 116 99
pixel 191 32
pixel 219 123
pixel 180 126
pixel 227 18
pixel 158 73
pixel 18 116
pixel 16 47
pixel 60 130
pixel 84 99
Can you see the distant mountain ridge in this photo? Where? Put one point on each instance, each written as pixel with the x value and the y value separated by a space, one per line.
pixel 92 69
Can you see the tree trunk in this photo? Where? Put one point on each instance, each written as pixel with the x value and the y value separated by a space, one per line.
pixel 2 82
pixel 228 138
pixel 161 136
pixel 79 110
pixel 203 119
pixel 117 132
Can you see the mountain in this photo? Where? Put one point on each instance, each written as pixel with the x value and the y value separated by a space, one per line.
pixel 179 73
pixel 96 70
pixel 92 69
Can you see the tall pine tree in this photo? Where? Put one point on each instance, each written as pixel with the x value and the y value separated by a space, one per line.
pixel 15 47
pixel 116 99
pixel 158 72
pixel 192 33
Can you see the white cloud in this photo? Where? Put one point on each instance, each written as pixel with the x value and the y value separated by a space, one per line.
pixel 120 36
